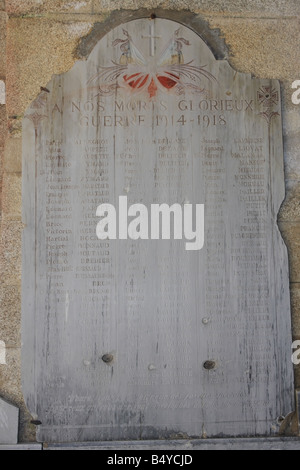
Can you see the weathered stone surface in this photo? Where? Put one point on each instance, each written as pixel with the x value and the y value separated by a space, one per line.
pixel 290 209
pixel 267 8
pixel 3 20
pixel 295 302
pixel 250 42
pixel 10 377
pixel 10 251
pixel 9 423
pixel 3 125
pixel 37 49
pixel 13 155
pixel 21 7
pixel 291 235
pixel 12 199
pixel 10 315
pixel 291 132
pixel 292 151
pixel 126 339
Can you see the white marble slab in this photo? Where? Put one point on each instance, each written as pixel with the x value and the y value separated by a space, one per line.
pixel 142 339
pixel 9 423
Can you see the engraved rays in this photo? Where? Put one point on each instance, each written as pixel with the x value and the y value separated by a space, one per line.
pixel 137 74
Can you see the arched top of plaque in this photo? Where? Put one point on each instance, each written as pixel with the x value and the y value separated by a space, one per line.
pixel 150 57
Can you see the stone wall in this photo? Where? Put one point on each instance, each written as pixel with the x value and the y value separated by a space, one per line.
pixel 39 38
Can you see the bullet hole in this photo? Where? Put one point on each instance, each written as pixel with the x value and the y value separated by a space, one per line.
pixel 209 365
pixel 108 358
pixel 36 422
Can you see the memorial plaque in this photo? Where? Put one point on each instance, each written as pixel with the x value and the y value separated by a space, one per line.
pixel 155 279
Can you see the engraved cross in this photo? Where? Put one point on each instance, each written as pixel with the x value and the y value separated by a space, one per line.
pixel 152 38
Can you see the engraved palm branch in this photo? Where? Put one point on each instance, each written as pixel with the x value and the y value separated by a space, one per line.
pixel 135 73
